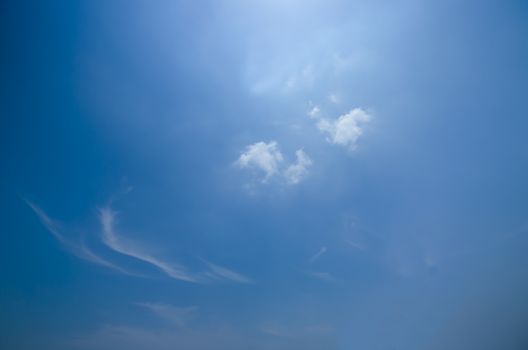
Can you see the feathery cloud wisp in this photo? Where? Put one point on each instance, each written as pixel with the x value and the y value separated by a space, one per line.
pixel 177 316
pixel 74 246
pixel 323 276
pixel 227 274
pixel 113 241
pixel 173 270
pixel 317 255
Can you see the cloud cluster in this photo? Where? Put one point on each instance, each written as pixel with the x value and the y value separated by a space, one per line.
pixel 123 246
pixel 220 272
pixel 264 156
pixel 268 159
pixel 346 129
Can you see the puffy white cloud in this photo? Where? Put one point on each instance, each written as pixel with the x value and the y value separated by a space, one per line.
pixel 296 171
pixel 346 129
pixel 263 156
pixel 268 158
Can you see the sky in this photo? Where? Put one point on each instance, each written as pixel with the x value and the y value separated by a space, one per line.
pixel 264 174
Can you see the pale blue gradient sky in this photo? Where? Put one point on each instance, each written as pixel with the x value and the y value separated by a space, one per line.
pixel 393 218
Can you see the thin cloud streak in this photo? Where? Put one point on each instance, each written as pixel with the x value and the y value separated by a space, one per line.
pixel 227 274
pixel 176 316
pixel 356 245
pixel 114 242
pixel 78 249
pixel 319 254
pixel 323 276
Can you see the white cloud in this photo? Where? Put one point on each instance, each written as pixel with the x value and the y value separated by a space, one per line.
pixel 356 245
pixel 263 156
pixel 346 129
pixel 51 225
pixel 75 246
pixel 317 255
pixel 118 244
pixel 276 330
pixel 221 272
pixel 267 158
pixel 173 270
pixel 176 316
pixel 296 171
pixel 314 112
pixel 323 276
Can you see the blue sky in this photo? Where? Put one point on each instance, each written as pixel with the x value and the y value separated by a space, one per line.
pixel 264 175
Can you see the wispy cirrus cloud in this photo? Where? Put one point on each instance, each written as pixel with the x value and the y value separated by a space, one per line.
pixel 110 238
pixel 220 272
pixel 356 245
pixel 176 316
pixel 319 254
pixel 121 245
pixel 74 246
pixel 323 276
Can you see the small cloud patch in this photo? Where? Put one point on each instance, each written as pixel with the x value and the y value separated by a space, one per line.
pixel 347 129
pixel 268 159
